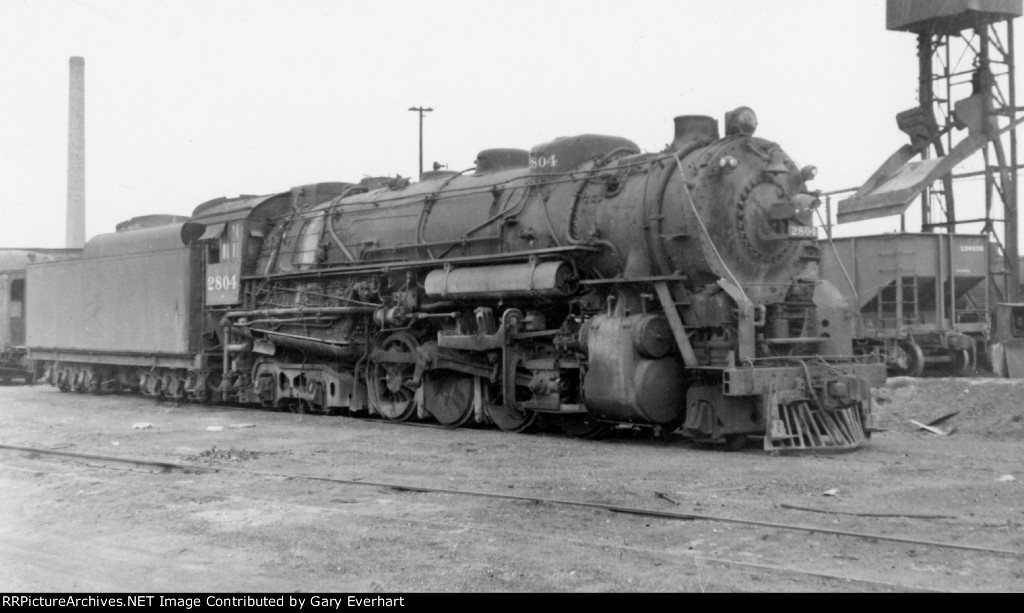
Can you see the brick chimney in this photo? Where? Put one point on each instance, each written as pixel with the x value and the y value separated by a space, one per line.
pixel 75 228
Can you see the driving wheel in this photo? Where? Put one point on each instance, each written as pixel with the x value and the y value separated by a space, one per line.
pixel 388 380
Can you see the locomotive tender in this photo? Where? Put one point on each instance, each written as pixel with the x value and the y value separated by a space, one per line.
pixel 582 283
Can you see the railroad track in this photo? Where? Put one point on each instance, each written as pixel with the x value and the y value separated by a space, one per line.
pixel 165 467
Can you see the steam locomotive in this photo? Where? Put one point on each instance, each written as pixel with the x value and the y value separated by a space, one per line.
pixel 581 284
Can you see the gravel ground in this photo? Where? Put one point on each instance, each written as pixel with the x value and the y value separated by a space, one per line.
pixel 69 525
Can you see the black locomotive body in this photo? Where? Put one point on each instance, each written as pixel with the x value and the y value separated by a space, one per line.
pixel 582 283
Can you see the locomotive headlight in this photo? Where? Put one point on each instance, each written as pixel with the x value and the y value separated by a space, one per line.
pixel 807 173
pixel 727 162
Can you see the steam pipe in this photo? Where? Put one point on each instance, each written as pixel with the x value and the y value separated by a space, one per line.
pixel 305 343
pixel 361 310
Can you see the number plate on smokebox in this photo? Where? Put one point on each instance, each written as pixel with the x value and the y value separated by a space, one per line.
pixel 801 232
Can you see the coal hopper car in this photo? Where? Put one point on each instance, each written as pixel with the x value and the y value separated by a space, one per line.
pixel 923 299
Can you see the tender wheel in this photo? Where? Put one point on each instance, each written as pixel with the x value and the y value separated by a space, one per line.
pixel 79 381
pixel 449 398
pixel 62 380
pixel 94 382
pixel 173 387
pixel 909 360
pixel 387 382
pixel 583 425
pixel 151 384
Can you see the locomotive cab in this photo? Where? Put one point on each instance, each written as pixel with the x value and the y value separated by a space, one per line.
pixel 223 244
pixel 232 233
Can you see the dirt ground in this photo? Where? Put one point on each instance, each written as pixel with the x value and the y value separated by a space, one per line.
pixel 71 526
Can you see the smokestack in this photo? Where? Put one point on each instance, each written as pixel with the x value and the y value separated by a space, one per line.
pixel 692 127
pixel 75 228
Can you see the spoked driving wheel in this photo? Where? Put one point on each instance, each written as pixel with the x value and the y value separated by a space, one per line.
pixel 389 375
pixel 448 396
pixel 500 402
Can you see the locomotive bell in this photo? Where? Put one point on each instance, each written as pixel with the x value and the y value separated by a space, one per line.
pixel 777 165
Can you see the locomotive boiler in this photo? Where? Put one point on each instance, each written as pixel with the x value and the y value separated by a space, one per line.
pixel 582 283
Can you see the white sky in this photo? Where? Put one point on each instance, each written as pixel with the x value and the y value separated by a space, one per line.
pixel 188 100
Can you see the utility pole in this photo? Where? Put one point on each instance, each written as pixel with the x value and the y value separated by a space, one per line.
pixel 421 111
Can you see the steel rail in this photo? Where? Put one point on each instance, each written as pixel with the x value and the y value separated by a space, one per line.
pixel 191 468
pixel 696 557
pixel 811 573
pixel 165 467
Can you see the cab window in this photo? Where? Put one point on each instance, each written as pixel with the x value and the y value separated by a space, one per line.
pixel 223 242
pixel 231 243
